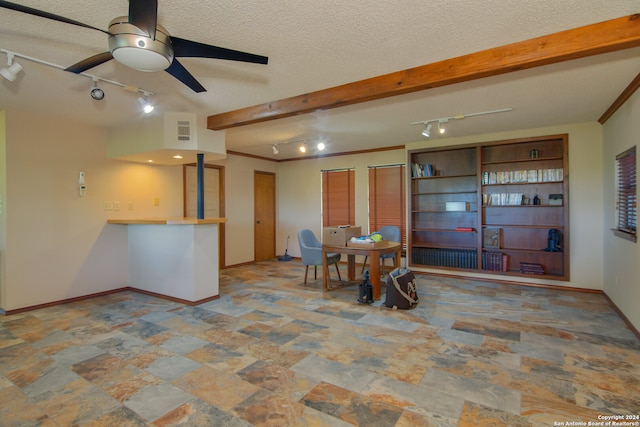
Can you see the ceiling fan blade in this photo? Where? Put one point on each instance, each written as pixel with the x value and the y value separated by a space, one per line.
pixel 178 71
pixel 184 48
pixel 144 15
pixel 42 14
pixel 90 62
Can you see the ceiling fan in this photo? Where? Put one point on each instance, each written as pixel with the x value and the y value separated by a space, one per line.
pixel 139 42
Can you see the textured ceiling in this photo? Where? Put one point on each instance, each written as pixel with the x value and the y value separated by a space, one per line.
pixel 314 45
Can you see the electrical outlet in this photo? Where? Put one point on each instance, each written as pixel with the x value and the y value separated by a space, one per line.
pixel 156 201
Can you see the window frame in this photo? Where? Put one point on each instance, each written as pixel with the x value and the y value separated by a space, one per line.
pixel 626 195
pixel 336 208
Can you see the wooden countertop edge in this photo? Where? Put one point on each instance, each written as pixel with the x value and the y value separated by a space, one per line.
pixel 167 221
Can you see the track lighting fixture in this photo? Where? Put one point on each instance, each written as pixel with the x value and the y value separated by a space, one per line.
pixel 147 107
pixel 426 132
pixel 303 149
pixel 441 123
pixel 275 150
pixel 13 68
pixel 321 146
pixel 10 73
pixel 96 93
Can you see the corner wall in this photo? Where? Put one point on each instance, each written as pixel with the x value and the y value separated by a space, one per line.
pixel 621 257
pixel 58 245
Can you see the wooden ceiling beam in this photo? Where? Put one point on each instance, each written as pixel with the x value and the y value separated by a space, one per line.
pixel 608 36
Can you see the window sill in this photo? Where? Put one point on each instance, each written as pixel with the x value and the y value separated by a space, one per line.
pixel 624 235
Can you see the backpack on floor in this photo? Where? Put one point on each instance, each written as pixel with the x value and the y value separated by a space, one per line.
pixel 401 289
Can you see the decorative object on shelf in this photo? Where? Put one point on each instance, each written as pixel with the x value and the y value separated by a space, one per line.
pixel 553 241
pixel 555 199
pixel 533 154
pixel 456 206
pixel 491 238
pixel 426 132
pixel 536 200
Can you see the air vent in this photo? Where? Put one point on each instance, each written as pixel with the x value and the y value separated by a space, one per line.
pixel 184 130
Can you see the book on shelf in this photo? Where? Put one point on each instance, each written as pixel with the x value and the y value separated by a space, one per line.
pixel 522 176
pixel 531 268
pixel 464 228
pixel 421 170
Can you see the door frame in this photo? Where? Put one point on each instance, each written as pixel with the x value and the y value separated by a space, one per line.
pixel 221 204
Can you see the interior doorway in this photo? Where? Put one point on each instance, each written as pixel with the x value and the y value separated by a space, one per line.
pixel 264 188
pixel 213 198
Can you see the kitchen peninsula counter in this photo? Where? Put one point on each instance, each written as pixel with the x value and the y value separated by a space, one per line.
pixel 174 257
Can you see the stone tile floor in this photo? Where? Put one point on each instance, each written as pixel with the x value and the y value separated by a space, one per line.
pixel 272 352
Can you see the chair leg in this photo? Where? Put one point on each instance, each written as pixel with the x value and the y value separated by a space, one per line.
pixel 315 272
pixel 306 271
pixel 338 270
pixel 364 264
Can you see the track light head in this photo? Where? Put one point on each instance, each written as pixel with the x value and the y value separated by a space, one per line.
pixel 303 149
pixel 321 146
pixel 441 128
pixel 147 107
pixel 427 130
pixel 95 92
pixel 13 68
pixel 275 150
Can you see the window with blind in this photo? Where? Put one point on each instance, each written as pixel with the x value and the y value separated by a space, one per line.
pixel 387 198
pixel 338 198
pixel 626 202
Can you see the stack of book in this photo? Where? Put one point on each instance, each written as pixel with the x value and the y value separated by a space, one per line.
pixel 531 268
pixel 418 170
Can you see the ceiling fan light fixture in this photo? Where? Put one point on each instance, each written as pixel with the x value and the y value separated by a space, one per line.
pixel 13 69
pixel 132 47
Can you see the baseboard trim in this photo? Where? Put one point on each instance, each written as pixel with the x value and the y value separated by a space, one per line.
pixel 621 314
pixel 174 299
pixel 99 294
pixel 65 301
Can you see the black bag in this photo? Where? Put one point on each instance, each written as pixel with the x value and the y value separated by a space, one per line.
pixel 401 289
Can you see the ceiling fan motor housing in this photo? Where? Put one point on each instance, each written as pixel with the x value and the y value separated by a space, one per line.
pixel 134 48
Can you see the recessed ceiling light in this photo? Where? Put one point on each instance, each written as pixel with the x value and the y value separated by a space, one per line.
pixel 177 156
pixel 149 161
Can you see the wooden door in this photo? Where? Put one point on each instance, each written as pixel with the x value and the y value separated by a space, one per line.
pixel 264 187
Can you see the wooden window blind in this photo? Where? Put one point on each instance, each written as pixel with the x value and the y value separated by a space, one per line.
pixel 387 198
pixel 626 202
pixel 338 198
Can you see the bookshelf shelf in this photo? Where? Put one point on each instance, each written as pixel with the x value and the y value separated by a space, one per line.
pixel 497 182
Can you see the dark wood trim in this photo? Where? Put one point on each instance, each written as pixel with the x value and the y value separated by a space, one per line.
pixel 344 153
pixel 626 94
pixel 65 301
pixel 178 300
pixel 608 36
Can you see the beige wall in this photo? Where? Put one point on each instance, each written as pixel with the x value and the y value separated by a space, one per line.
pixel 621 257
pixel 57 244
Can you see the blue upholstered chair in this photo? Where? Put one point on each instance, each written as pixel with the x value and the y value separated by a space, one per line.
pixel 311 253
pixel 391 233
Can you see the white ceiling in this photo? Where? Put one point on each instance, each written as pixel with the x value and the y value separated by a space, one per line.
pixel 314 45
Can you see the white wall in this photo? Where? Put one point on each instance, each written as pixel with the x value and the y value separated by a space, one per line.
pixel 58 245
pixel 621 257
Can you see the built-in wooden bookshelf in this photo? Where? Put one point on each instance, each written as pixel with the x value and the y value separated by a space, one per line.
pixel 490 207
